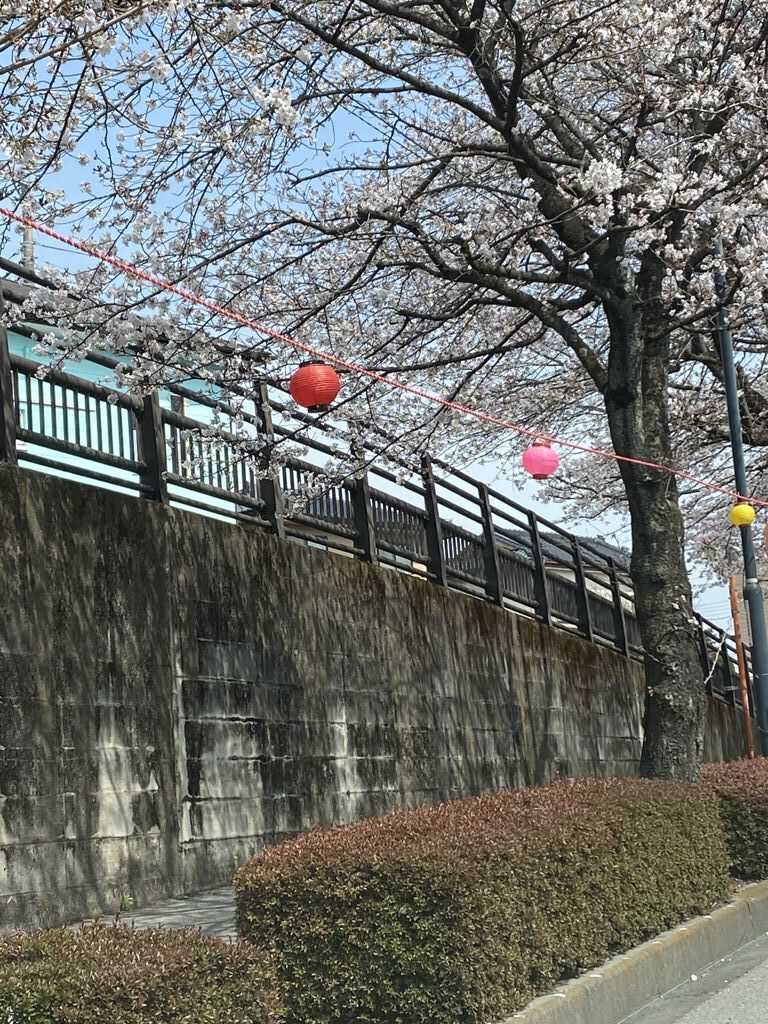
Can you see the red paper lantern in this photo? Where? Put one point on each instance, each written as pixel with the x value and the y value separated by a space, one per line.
pixel 540 460
pixel 315 385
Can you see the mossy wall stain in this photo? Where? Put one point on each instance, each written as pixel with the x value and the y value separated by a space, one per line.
pixel 176 692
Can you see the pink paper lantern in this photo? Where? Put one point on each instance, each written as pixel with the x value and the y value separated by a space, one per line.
pixel 540 460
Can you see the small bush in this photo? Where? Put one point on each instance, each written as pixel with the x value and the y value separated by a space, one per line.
pixel 465 911
pixel 743 790
pixel 117 975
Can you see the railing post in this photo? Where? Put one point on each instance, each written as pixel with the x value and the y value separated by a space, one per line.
pixel 621 637
pixel 270 491
pixel 704 652
pixel 433 525
pixel 582 596
pixel 494 587
pixel 7 408
pixel 543 603
pixel 731 686
pixel 149 420
pixel 177 448
pixel 362 514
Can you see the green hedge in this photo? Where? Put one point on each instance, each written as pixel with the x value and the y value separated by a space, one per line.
pixel 464 912
pixel 112 974
pixel 742 787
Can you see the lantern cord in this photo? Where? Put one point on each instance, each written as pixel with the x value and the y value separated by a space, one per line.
pixel 345 364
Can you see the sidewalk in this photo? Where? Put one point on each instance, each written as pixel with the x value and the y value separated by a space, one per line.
pixel 213 911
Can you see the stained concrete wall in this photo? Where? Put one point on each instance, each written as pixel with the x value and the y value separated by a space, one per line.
pixel 176 692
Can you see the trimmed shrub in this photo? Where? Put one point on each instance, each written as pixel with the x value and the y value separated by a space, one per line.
pixel 113 974
pixel 743 790
pixel 465 911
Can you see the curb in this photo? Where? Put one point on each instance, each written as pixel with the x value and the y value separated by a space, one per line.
pixel 622 986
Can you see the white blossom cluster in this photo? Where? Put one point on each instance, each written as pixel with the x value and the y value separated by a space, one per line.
pixel 470 207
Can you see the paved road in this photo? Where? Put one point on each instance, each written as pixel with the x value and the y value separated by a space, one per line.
pixel 733 991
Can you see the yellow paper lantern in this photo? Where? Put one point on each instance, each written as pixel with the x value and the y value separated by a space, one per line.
pixel 742 514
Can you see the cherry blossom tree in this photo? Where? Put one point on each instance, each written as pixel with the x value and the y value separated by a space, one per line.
pixel 512 202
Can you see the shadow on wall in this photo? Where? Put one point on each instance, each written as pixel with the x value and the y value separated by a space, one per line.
pixel 87 774
pixel 178 691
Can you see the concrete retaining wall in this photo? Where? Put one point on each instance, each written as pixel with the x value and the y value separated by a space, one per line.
pixel 175 692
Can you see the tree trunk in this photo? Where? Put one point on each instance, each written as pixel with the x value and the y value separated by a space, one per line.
pixel 675 699
pixel 636 402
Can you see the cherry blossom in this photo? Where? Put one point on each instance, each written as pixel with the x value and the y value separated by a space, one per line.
pixel 515 204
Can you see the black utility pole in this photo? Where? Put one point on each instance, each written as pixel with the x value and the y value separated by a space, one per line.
pixel 753 594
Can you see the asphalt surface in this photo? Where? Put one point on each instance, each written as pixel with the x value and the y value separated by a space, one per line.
pixel 732 991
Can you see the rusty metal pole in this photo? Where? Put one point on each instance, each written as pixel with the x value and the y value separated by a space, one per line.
pixel 749 744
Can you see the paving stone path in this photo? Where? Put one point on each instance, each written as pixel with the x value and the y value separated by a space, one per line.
pixel 213 911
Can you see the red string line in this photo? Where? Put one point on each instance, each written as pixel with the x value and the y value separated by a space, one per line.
pixel 345 364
